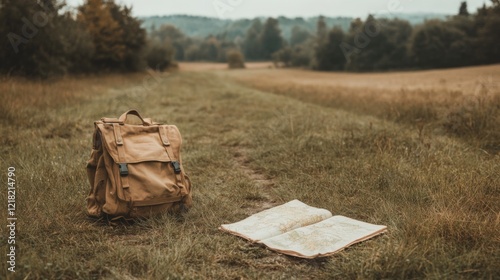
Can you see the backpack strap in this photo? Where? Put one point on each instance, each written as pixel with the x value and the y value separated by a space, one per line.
pixel 145 121
pixel 121 120
pixel 121 155
pixel 174 161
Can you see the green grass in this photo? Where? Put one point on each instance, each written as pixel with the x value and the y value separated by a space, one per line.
pixel 439 196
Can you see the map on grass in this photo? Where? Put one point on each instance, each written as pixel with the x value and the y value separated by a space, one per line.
pixel 300 230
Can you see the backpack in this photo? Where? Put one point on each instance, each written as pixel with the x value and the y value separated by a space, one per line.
pixel 136 170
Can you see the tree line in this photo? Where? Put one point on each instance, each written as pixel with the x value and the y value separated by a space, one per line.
pixel 260 43
pixel 372 44
pixel 44 38
pixel 389 44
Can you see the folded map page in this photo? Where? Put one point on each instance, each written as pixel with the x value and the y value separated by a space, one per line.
pixel 277 220
pixel 297 229
pixel 324 238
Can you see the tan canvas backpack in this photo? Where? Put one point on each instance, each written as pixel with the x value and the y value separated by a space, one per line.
pixel 136 170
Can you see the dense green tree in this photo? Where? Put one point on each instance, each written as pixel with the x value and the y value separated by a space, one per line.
pixel 211 48
pixel 171 35
pixel 379 44
pixel 252 46
pixel 80 48
pixel 32 44
pixel 463 11
pixel 117 37
pixel 468 44
pixel 487 23
pixel 356 26
pixel 52 42
pixel 299 36
pixel 168 33
pixel 261 41
pixel 320 42
pixel 361 45
pixel 271 39
pixel 465 24
pixel 106 32
pixel 321 29
pixel 437 44
pixel 329 55
pixel 133 36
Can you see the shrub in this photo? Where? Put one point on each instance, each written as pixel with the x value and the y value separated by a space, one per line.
pixel 160 57
pixel 283 57
pixel 235 59
pixel 298 56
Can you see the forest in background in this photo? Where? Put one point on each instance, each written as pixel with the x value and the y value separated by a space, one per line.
pixel 201 27
pixel 45 38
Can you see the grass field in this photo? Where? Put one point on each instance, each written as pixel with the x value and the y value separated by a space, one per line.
pixel 407 150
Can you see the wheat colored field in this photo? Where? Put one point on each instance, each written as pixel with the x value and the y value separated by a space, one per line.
pixel 416 151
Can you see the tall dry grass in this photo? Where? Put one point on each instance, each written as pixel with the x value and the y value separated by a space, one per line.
pixel 470 111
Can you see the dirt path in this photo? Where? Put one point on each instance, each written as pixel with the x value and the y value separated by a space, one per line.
pixel 262 183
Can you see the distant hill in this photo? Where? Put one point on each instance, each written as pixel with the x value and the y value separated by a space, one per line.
pixel 197 26
pixel 415 18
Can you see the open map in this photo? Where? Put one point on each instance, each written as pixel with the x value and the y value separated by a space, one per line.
pixel 300 230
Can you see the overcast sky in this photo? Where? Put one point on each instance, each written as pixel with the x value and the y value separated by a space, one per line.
pixel 235 9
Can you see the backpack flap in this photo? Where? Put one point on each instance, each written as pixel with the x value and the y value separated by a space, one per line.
pixel 145 166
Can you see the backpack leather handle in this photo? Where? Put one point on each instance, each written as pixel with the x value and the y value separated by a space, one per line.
pixel 123 117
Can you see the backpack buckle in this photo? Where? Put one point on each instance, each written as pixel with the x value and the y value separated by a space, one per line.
pixel 177 167
pixel 123 169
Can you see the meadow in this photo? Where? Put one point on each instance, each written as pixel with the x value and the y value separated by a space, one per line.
pixel 416 151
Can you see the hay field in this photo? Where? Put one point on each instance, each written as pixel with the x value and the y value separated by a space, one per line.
pixel 424 162
pixel 460 79
pixel 462 102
